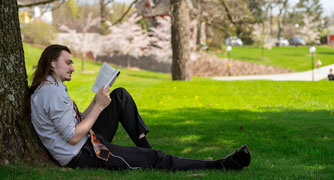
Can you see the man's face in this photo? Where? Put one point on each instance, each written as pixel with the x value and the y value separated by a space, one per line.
pixel 63 68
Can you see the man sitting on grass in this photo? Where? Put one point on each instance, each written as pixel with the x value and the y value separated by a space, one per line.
pixel 330 76
pixel 83 140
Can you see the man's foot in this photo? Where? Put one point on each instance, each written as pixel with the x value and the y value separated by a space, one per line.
pixel 238 159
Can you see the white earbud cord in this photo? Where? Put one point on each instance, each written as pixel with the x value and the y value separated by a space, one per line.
pixel 119 157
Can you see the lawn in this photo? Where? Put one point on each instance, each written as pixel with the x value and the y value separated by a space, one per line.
pixel 288 126
pixel 294 58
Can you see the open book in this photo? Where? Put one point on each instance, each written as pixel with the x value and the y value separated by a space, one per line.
pixel 106 77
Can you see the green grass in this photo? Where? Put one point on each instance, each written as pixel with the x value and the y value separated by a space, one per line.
pixel 294 58
pixel 289 126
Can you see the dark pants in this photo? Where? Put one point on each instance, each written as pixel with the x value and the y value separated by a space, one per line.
pixel 123 109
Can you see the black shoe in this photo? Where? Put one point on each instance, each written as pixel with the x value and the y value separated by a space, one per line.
pixel 228 163
pixel 238 159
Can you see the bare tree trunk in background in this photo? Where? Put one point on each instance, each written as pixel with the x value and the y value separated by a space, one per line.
pixel 271 18
pixel 18 140
pixel 128 62
pixel 279 20
pixel 181 64
pixel 103 13
pixel 83 56
pixel 199 24
pixel 263 41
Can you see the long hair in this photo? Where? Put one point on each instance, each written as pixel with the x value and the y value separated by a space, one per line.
pixel 50 54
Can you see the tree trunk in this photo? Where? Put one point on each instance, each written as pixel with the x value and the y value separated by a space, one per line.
pixel 83 61
pixel 18 140
pixel 128 62
pixel 279 21
pixel 181 65
pixel 199 24
pixel 279 28
pixel 103 25
pixel 271 19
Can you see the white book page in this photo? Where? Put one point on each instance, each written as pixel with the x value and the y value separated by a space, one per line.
pixel 104 77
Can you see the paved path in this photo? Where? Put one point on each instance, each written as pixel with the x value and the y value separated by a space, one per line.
pixel 319 74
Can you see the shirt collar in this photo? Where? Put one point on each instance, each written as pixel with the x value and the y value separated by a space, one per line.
pixel 58 84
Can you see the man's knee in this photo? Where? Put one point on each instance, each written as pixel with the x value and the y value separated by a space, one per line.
pixel 120 92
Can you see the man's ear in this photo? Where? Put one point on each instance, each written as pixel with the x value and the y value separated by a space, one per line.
pixel 53 64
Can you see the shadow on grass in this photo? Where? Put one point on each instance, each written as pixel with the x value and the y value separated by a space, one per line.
pixel 285 144
pixel 294 135
pixel 280 140
pixel 326 53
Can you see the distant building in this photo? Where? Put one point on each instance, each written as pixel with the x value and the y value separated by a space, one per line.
pixel 37 13
pixel 25 15
pixel 330 39
pixel 330 36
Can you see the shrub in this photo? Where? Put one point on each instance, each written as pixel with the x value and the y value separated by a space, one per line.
pixel 38 33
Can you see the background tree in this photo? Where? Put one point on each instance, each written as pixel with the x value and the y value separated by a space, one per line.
pixel 74 15
pixel 103 13
pixel 127 38
pixel 216 26
pixel 160 40
pixel 309 32
pixel 18 139
pixel 238 13
pixel 282 6
pixel 31 3
pixel 181 64
pixel 310 8
pixel 261 36
pixel 80 43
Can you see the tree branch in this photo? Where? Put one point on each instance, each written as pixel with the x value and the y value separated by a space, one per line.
pixel 217 25
pixel 126 12
pixel 228 12
pixel 36 3
pixel 229 16
pixel 58 6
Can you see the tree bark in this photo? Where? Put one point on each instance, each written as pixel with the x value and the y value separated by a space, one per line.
pixel 18 140
pixel 31 4
pixel 181 64
pixel 103 17
pixel 199 24
pixel 103 13
pixel 279 21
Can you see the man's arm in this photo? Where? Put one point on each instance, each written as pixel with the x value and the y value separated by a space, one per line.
pixel 102 100
pixel 89 109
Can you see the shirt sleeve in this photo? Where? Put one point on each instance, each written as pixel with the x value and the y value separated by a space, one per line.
pixel 62 114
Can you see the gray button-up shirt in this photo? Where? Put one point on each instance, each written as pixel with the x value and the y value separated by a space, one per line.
pixel 54 120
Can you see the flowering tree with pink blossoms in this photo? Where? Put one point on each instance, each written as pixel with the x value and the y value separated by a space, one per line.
pixel 81 42
pixel 261 35
pixel 127 38
pixel 160 40
pixel 309 31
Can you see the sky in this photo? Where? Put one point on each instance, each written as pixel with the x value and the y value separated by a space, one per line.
pixel 328 6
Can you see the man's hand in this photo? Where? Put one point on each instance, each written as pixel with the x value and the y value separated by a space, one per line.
pixel 101 101
pixel 102 98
